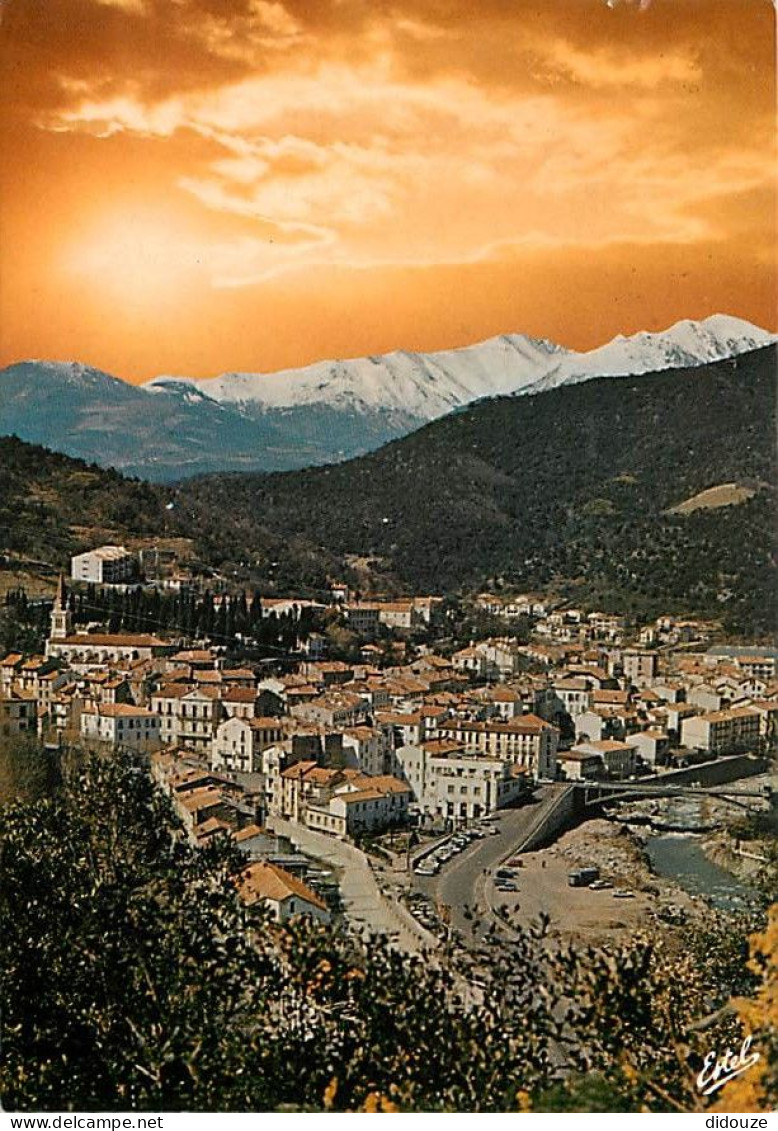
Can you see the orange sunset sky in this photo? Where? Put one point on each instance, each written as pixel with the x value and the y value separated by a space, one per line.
pixel 195 186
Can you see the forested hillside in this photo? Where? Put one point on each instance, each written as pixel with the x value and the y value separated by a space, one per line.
pixel 569 488
pixel 49 503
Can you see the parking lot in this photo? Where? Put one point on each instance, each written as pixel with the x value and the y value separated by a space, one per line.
pixel 433 862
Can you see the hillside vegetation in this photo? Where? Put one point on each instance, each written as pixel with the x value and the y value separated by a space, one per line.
pixel 568 488
pixel 52 506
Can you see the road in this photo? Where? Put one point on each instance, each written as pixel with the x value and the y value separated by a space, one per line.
pixel 460 884
pixel 364 903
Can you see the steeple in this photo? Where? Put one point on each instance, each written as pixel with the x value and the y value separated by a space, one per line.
pixel 61 620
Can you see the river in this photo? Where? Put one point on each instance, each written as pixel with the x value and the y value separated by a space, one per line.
pixel 681 858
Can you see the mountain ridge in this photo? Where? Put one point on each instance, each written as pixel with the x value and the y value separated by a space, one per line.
pixel 684 343
pixel 567 491
pixel 175 427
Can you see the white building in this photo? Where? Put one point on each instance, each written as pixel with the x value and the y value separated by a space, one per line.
pixel 705 697
pixel 722 731
pixel 239 743
pixel 188 715
pixel 451 783
pixel 360 805
pixel 502 701
pixel 651 745
pixel 503 655
pixel 367 748
pixel 107 565
pixel 618 758
pixel 334 709
pixel 526 741
pixel 581 765
pixel 474 663
pixel 122 725
pixel 640 666
pixel 575 695
pixel 285 895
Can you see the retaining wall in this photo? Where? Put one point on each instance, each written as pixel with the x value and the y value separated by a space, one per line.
pixel 719 772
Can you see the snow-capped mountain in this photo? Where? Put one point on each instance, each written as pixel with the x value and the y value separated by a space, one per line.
pixel 427 386
pixel 176 426
pixel 685 344
pixel 421 385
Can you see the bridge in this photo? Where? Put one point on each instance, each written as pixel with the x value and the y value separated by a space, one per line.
pixel 595 793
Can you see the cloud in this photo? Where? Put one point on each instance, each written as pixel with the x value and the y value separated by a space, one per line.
pixel 361 163
pixel 340 135
pixel 609 68
pixel 134 7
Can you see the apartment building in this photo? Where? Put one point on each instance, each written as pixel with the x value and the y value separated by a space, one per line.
pixel 720 732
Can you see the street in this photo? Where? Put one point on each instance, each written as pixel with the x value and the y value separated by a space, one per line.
pixel 460 884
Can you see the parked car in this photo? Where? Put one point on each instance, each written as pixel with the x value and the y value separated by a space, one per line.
pixel 600 885
pixel 623 893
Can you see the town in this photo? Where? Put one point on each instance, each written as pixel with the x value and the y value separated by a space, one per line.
pixel 410 750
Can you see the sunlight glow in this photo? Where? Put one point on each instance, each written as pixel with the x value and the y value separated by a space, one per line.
pixel 140 258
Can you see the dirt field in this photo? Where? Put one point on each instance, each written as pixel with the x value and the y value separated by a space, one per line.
pixel 579 913
pixel 724 495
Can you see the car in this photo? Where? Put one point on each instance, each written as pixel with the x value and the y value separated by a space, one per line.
pixel 623 893
pixel 505 874
pixel 600 885
pixel 428 870
pixel 506 885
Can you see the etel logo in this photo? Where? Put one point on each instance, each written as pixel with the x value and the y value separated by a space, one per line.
pixel 718 1071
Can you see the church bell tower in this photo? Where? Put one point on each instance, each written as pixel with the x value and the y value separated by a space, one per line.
pixel 61 620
